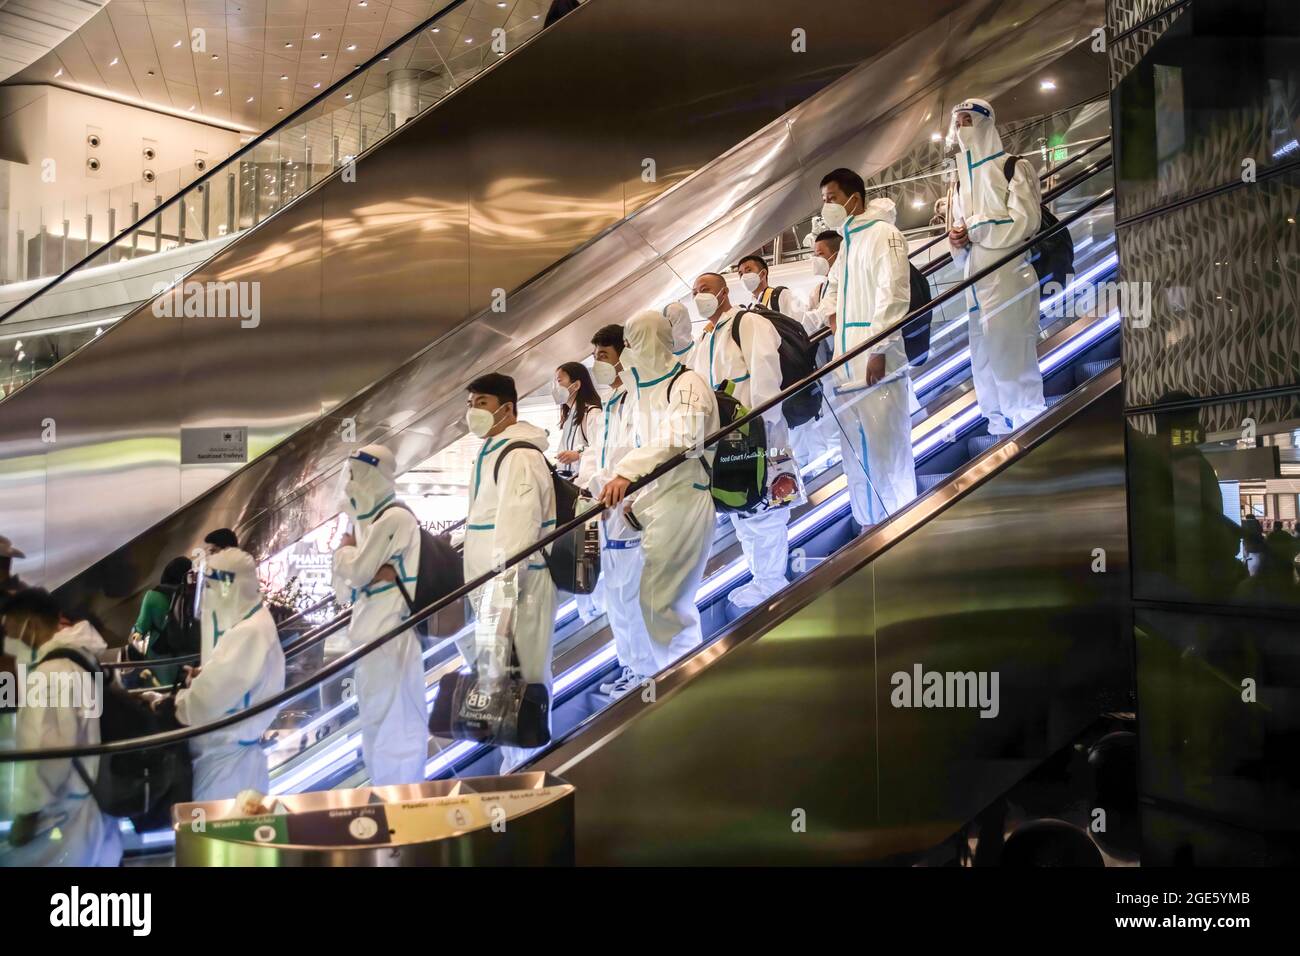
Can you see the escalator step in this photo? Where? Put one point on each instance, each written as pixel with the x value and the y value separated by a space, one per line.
pixel 1091 370
pixel 925 482
pixel 1053 399
pixel 978 444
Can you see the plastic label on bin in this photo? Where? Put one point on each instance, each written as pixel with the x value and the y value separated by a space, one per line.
pixel 265 829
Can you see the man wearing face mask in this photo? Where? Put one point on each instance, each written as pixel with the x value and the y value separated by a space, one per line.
pixel 511 507
pixel 674 410
pixel 245 667
pixel 753 276
pixel 390 680
pixel 754 369
pixel 870 291
pixel 620 544
pixel 990 215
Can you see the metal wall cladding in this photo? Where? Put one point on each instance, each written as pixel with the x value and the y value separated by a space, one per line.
pixel 1124 15
pixel 787 747
pixel 1224 282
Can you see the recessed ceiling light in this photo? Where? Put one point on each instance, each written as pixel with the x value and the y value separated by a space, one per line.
pixel 324 56
pixel 177 43
pixel 469 39
pixel 215 57
pixel 288 46
pixel 249 100
pixel 315 36
pixel 218 91
pixel 436 30
pixel 348 97
pixel 351 46
pixel 361 3
pixel 501 3
pixel 284 76
pixel 315 86
pixel 191 109
pixel 148 72
pixel 1047 85
pixel 936 137
pixel 59 74
pixel 918 203
pixel 114 63
pixel 279 109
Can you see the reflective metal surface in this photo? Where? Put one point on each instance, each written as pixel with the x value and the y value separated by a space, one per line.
pixel 549 182
pixel 523 819
pixel 782 745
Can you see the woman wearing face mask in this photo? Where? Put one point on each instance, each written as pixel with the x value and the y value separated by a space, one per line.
pixel 580 408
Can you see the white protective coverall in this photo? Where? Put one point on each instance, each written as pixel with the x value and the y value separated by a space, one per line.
pixel 755 369
pixel 577 434
pixel 870 290
pixel 673 412
pixel 245 667
pixel 390 688
pixel 71 829
pixel 1004 306
pixel 679 320
pixel 620 543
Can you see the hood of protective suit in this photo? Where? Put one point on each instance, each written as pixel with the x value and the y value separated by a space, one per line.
pixel 649 347
pixel 368 482
pixel 524 431
pixel 880 208
pixel 679 320
pixel 979 164
pixel 230 590
pixel 81 637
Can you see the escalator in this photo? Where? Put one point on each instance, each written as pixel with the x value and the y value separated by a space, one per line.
pixel 483 214
pixel 1078 359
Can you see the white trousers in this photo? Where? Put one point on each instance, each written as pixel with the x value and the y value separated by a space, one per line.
pixel 221 771
pixel 876 445
pixel 678 528
pixel 389 685
pixel 766 545
pixel 1004 346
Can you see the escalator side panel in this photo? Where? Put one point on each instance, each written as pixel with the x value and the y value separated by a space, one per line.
pixel 764 733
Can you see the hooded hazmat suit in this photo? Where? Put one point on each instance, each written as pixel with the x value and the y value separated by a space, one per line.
pixel 754 368
pixel 389 681
pixel 71 830
pixel 620 544
pixel 1004 306
pixel 870 290
pixel 679 321
pixel 244 667
pixel 672 413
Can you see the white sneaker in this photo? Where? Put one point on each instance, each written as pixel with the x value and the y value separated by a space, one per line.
pixel 627 685
pixel 609 686
pixel 751 595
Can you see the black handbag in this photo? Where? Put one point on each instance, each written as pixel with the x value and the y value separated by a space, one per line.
pixel 505 711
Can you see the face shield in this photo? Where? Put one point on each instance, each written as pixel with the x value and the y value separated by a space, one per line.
pixel 366 482
pixel 974 136
pixel 228 592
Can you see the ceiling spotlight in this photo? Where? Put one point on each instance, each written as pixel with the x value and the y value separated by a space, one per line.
pixel 936 137
pixel 59 74
pixel 469 39
pixel 148 72
pixel 436 30
pixel 279 109
pixel 501 3
pixel 1047 85
pixel 284 76
pixel 316 36
pixel 114 63
pixel 191 109
pixel 351 46
pixel 918 203
pixel 215 57
pixel 361 3
pixel 177 43
pixel 348 97
pixel 249 100
pixel 324 56
pixel 288 46
pixel 218 92
pixel 315 86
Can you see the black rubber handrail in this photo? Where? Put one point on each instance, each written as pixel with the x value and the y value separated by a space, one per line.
pixel 242 151
pixel 419 617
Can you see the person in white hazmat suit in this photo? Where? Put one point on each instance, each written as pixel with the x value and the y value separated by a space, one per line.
pixel 754 369
pixel 510 508
pixel 620 544
pixel 872 393
pixel 56 821
pixel 679 321
pixel 990 215
pixel 244 668
pixel 389 681
pixel 674 411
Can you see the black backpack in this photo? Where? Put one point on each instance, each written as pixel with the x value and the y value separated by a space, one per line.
pixel 441 570
pixel 738 478
pixel 139 784
pixel 916 333
pixel 1053 257
pixel 798 361
pixel 573 559
pixel 180 633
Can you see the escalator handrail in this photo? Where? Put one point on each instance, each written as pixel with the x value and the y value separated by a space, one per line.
pixel 242 151
pixel 349 658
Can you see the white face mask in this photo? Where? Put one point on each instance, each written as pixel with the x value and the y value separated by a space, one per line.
pixel 820 266
pixel 559 394
pixel 834 215
pixel 706 303
pixel 480 421
pixel 602 373
pixel 750 280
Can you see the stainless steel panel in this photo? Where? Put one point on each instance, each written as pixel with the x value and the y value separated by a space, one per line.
pixel 706 218
pixel 787 719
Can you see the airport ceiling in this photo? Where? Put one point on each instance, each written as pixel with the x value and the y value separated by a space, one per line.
pixel 258 59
